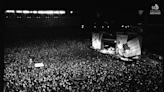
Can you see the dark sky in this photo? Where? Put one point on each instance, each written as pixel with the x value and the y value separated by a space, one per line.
pixel 83 5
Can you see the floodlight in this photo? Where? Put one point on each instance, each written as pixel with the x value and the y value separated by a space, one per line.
pixel 26 11
pixel 49 12
pixel 56 12
pixel 34 12
pixel 9 11
pixel 41 12
pixel 62 12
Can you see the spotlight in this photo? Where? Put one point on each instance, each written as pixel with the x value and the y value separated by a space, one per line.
pixel 18 17
pixel 82 26
pixel 28 17
pixel 71 12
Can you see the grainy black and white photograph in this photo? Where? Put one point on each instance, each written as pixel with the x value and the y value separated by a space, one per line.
pixel 83 46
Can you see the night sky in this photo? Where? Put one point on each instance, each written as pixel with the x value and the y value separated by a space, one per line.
pixel 80 5
pixel 122 12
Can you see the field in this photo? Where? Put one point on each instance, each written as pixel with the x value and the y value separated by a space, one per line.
pixel 71 66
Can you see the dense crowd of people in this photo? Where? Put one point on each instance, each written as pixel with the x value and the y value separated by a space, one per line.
pixel 71 66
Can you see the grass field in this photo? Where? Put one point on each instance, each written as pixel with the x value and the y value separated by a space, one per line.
pixel 71 66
